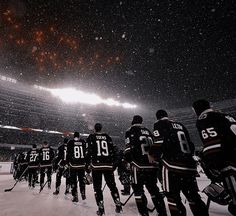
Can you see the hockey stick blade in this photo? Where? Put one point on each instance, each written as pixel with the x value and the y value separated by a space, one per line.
pixel 151 210
pixel 9 189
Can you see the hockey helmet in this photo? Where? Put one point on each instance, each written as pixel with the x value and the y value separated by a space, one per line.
pixel 160 114
pixel 200 105
pixel 137 119
pixel 217 194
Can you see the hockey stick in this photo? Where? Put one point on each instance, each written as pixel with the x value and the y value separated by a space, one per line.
pixel 151 210
pixel 208 203
pixel 41 188
pixel 104 187
pixel 10 189
pixel 123 204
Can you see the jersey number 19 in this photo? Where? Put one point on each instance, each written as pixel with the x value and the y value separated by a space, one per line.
pixel 102 148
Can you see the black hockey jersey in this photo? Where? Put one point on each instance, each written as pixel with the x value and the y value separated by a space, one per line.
pixel 23 158
pixel 138 140
pixel 218 134
pixel 61 155
pixel 172 140
pixel 33 158
pixel 16 160
pixel 76 150
pixel 46 155
pixel 101 151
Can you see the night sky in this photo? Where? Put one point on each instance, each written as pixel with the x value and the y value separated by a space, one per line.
pixel 153 53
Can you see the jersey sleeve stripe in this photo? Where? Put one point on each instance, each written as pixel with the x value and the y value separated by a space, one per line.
pixel 212 147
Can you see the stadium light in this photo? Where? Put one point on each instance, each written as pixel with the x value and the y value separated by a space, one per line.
pixel 7 79
pixel 72 96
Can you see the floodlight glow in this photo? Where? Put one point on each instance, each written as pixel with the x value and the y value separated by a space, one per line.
pixel 7 79
pixel 129 106
pixel 71 95
pixel 111 102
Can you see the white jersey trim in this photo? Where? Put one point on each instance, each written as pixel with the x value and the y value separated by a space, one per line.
pixel 179 167
pixel 143 167
pixel 228 168
pixel 212 147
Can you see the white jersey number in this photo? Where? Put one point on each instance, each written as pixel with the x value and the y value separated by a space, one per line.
pixel 33 157
pixel 78 152
pixel 46 155
pixel 209 132
pixel 102 148
pixel 183 142
pixel 146 143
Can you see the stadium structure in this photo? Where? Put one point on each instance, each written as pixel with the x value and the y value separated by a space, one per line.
pixel 29 116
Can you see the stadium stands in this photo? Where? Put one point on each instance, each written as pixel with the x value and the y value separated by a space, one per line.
pixel 25 107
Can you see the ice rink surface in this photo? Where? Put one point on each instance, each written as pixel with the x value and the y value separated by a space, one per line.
pixel 22 201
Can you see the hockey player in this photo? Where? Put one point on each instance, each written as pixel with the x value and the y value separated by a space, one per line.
pixel 33 165
pixel 23 163
pixel 46 155
pixel 16 163
pixel 62 167
pixel 179 168
pixel 76 150
pixel 218 134
pixel 100 156
pixel 138 141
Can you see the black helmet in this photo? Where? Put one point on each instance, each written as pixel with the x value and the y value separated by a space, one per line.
pixel 76 134
pixel 201 105
pixel 66 140
pixel 137 119
pixel 160 114
pixel 98 127
pixel 45 143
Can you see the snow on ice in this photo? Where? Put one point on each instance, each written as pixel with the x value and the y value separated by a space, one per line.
pixel 22 201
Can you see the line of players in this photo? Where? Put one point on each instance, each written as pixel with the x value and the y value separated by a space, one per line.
pixel 77 157
pixel 169 151
pixel 35 162
pixel 166 154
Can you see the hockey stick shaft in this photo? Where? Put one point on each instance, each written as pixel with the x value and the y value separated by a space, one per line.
pixel 104 187
pixel 208 203
pixel 123 204
pixel 10 189
pixel 41 188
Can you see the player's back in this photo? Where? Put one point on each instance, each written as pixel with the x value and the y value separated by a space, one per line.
pixel 101 150
pixel 76 150
pixel 61 155
pixel 32 158
pixel 23 158
pixel 139 140
pixel 218 134
pixel 62 151
pixel 46 156
pixel 176 147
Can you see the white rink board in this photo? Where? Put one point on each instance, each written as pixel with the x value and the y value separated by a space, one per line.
pixel 5 167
